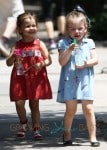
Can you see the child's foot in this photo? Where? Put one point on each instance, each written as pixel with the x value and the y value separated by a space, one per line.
pixel 22 131
pixel 37 135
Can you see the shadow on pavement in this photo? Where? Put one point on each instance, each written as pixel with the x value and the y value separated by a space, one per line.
pixel 102 124
pixel 51 129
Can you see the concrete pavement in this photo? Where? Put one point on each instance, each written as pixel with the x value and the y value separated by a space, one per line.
pixel 52 112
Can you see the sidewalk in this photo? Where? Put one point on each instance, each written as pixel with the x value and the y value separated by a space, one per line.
pixel 52 113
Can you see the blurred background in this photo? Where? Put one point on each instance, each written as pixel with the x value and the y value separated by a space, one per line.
pixel 95 9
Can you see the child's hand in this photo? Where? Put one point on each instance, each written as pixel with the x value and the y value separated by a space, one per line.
pixel 82 66
pixel 73 47
pixel 17 56
pixel 38 66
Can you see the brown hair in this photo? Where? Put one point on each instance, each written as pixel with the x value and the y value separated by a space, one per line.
pixel 20 21
pixel 22 17
pixel 74 14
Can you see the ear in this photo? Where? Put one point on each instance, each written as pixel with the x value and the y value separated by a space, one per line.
pixel 85 30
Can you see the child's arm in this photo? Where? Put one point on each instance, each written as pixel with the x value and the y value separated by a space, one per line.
pixel 64 56
pixel 11 58
pixel 93 59
pixel 47 61
pixel 45 54
pixel 91 62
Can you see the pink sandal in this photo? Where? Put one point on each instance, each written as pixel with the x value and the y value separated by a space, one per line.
pixel 22 131
pixel 37 135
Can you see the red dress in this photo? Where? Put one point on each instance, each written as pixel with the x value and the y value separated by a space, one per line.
pixel 32 85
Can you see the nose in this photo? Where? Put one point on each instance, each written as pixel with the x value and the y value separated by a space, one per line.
pixel 76 30
pixel 31 27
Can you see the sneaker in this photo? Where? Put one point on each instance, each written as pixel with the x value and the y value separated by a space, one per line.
pixel 22 131
pixel 52 46
pixel 60 36
pixel 3 49
pixel 37 135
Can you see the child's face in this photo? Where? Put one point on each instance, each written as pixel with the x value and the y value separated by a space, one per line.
pixel 28 29
pixel 76 29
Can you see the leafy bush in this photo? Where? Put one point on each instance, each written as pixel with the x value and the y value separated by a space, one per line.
pixel 98 29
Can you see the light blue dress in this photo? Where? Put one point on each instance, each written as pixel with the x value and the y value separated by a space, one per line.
pixel 76 84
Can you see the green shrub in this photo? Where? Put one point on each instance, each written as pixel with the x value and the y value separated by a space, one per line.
pixel 98 29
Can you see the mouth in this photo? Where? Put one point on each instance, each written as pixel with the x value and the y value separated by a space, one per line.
pixel 32 32
pixel 76 36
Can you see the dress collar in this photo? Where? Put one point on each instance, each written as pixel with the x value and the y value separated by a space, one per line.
pixel 70 40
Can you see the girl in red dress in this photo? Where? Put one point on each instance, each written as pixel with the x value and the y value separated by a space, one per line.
pixel 29 80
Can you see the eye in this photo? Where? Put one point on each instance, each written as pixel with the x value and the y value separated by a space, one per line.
pixel 27 26
pixel 34 25
pixel 71 29
pixel 81 28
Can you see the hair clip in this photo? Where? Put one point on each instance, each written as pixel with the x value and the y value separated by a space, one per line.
pixel 80 9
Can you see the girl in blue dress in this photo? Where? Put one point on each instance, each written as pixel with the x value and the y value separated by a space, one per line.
pixel 77 56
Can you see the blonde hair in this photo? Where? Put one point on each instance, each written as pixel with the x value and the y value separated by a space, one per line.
pixel 72 15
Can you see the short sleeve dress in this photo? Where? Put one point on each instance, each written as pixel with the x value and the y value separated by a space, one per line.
pixel 76 84
pixel 31 85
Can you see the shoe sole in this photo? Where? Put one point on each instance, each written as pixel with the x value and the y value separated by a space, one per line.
pixel 4 53
pixel 21 137
pixel 37 139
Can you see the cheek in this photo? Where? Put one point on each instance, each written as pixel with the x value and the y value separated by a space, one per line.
pixel 36 29
pixel 71 32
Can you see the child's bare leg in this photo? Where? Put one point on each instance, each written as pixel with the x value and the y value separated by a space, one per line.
pixel 20 108
pixel 35 113
pixel 88 111
pixel 71 107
